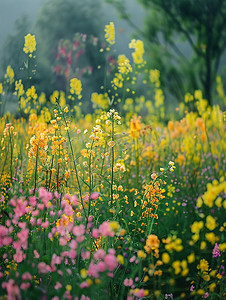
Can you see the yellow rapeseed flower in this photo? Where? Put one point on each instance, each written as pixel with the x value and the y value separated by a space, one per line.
pixel 30 44
pixel 110 33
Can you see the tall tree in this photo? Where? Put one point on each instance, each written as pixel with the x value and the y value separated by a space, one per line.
pixel 201 24
pixel 61 19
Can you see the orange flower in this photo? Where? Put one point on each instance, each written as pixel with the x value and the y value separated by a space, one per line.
pixel 170 125
pixel 135 127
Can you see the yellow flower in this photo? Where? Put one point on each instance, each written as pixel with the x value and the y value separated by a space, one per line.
pixel 135 127
pixel 120 259
pixel 165 258
pixel 9 74
pixel 1 88
pixel 210 223
pixel 68 287
pixel 211 237
pixel 139 51
pixel 203 265
pixel 30 44
pixel 191 258
pixel 83 273
pixel 212 287
pixel 141 254
pixel 152 243
pixel 197 226
pixel 110 33
pixel 75 86
pixel 124 66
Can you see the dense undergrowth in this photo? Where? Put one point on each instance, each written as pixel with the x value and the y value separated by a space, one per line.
pixel 121 203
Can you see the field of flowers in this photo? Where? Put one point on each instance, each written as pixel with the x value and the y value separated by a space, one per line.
pixel 126 202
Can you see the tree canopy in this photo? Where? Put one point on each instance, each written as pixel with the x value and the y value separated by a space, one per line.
pixel 200 25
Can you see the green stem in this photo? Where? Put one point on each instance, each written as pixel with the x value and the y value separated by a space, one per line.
pixel 73 157
pixel 36 170
pixel 112 159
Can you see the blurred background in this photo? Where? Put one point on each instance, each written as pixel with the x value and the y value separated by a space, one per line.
pixel 184 39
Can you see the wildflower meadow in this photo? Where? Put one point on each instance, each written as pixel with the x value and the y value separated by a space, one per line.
pixel 122 200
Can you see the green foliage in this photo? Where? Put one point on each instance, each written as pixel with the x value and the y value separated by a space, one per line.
pixel 184 33
pixel 61 19
pixel 13 54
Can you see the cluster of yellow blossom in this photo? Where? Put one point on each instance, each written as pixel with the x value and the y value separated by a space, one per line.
pixel 60 96
pixel 154 76
pixel 9 75
pixel 1 89
pixel 138 46
pixel 110 33
pixel 135 127
pixel 76 87
pixel 195 229
pixel 117 81
pixel 100 100
pixel 124 66
pixel 180 267
pixel 64 221
pixel 39 145
pixel 213 190
pixel 30 44
pixel 173 243
pixel 19 88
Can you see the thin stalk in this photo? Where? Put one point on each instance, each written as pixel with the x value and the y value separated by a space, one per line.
pixel 50 176
pixel 112 159
pixel 137 161
pixel 73 157
pixel 11 155
pixel 36 169
pixel 4 164
pixel 90 181
pixel 58 171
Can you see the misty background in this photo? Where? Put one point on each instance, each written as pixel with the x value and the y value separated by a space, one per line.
pixel 166 48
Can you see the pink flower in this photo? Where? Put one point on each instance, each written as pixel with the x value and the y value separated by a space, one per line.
pixel 25 285
pixel 85 255
pixel 84 285
pixel 101 267
pixel 93 271
pixel 216 251
pixel 105 229
pixel 40 206
pixel 94 196
pixel 19 256
pixel 35 213
pixel 62 241
pixel 72 254
pixel 73 244
pixel 99 254
pixel 32 201
pixel 78 230
pixel 26 276
pixel 132 259
pixel 192 288
pixel 83 297
pixel 57 286
pixel 128 282
pixel 111 262
pixel 36 254
pixel 13 291
pixel 45 224
pixel 95 233
pixel 43 268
